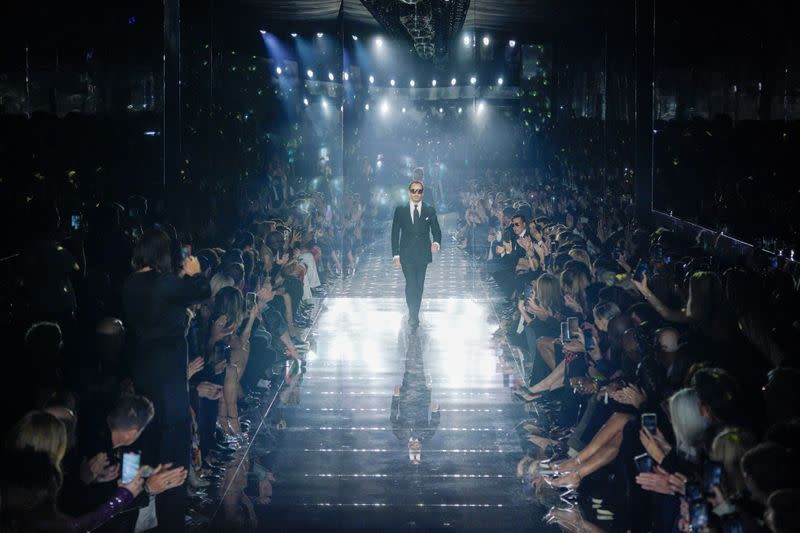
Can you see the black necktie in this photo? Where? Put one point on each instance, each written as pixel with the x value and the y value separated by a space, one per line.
pixel 416 213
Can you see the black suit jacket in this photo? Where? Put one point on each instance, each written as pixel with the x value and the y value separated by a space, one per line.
pixel 411 241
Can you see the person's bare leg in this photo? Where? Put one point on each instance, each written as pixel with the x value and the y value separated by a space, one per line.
pixel 554 380
pixel 610 430
pixel 546 350
pixel 605 454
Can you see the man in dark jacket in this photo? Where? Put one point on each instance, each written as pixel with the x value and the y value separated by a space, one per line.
pixel 413 225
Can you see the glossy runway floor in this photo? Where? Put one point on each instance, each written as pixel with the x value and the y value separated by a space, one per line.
pixel 387 428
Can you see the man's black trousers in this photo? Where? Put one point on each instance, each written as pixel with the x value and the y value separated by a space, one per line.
pixel 415 282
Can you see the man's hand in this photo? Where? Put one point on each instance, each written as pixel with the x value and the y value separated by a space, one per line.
pixel 499 249
pixel 195 366
pixel 208 390
pixel 109 473
pixel 191 266
pixel 657 481
pixel 397 261
pixel 434 247
pixel 91 468
pixel 163 478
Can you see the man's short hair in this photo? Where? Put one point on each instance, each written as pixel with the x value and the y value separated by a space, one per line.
pixel 418 173
pixel 131 412
pixel 411 185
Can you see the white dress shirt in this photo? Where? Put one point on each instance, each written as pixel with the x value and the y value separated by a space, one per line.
pixel 411 212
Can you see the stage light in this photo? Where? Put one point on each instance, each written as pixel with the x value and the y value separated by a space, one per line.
pixel 310 73
pixel 346 76
pixel 486 40
pixel 294 35
pixel 324 104
pixel 319 36
pixel 441 110
pixel 466 40
pixel 279 71
pixel 366 107
pixel 480 106
pixel 379 42
pixel 499 81
pixel 412 83
pixel 512 43
pixel 385 107
pixel 459 110
pixel 453 82
pixel 433 83
pixel 305 101
pixel 403 110
pixel 391 82
pixel 330 76
pixel 355 37
pixel 262 32
pixel 473 80
pixel 372 79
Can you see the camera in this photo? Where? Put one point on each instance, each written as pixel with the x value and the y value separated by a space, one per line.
pixel 644 463
pixel 650 422
pixel 526 294
pixel 565 337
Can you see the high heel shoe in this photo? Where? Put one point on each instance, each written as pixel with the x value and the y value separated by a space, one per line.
pixel 560 483
pixel 527 396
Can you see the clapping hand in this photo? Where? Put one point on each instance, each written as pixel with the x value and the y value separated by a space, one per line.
pixel 91 468
pixel 195 366
pixel 163 478
pixel 208 390
pixel 655 444
pixel 629 395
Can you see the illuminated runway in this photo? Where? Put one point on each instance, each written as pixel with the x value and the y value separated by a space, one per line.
pixel 370 388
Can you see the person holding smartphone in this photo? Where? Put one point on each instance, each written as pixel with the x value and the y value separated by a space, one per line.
pixel 412 228
pixel 155 301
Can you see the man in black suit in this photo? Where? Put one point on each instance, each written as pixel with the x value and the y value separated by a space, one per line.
pixel 412 248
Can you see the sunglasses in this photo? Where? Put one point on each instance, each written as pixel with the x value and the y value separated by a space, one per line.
pixel 416 191
pixel 518 224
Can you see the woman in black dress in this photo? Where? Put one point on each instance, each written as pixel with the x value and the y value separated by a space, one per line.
pixel 155 301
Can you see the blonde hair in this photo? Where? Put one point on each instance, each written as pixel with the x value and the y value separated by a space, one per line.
pixel 218 281
pixel 728 448
pixel 583 256
pixel 42 432
pixel 548 290
pixel 688 424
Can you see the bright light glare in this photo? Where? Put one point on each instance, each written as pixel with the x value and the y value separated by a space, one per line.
pixel 480 106
pixel 346 76
pixel 366 107
pixel 379 42
pixel 324 104
pixel 355 37
pixel 279 71
pixel 499 81
pixel 453 82
pixel 372 79
pixel 391 82
pixel 305 101
pixel 466 40
pixel 512 43
pixel 330 76
pixel 319 35
pixel 385 107
pixel 262 32
pixel 403 110
pixel 433 83
pixel 294 35
pixel 412 83
pixel 473 80
pixel 310 73
pixel 486 40
pixel 459 110
pixel 441 110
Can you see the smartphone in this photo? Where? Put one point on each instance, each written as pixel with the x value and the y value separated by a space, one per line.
pixel 712 476
pixel 650 421
pixel 526 294
pixel 565 338
pixel 75 221
pixel 186 251
pixel 588 339
pixel 574 326
pixel 641 270
pixel 698 514
pixel 644 463
pixel 130 466
pixel 250 300
pixel 694 492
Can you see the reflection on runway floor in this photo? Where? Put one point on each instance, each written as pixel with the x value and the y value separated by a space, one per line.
pixel 387 428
